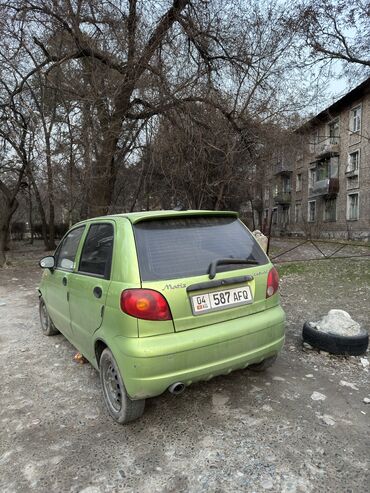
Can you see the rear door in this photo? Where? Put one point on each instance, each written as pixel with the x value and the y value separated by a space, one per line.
pixel 89 285
pixel 175 255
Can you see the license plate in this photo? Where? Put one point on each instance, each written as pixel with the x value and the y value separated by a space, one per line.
pixel 218 300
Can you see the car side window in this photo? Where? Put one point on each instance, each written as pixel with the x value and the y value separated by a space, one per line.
pixel 96 256
pixel 66 252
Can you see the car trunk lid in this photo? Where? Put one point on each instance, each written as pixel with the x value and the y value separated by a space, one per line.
pixel 182 294
pixel 202 258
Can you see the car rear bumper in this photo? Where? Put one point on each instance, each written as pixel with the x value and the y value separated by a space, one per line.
pixel 150 365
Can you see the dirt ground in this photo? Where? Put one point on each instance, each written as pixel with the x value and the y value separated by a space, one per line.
pixel 242 432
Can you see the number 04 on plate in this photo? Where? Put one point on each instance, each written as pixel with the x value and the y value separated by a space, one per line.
pixel 219 300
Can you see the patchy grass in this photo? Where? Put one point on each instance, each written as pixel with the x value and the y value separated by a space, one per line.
pixel 310 289
pixel 292 268
pixel 352 271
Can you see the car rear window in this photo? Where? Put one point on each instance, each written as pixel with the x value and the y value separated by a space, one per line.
pixel 185 247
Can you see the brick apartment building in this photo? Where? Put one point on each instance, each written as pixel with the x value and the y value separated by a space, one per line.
pixel 323 189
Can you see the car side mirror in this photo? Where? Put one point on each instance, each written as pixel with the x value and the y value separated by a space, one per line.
pixel 47 262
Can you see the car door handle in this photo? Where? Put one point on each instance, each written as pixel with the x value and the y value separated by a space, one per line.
pixel 64 281
pixel 97 291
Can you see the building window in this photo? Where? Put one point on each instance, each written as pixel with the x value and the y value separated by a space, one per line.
pixel 297 213
pixel 311 178
pixel 352 207
pixel 330 210
pixel 284 217
pixel 352 182
pixel 298 182
pixel 353 162
pixel 274 213
pixel 334 167
pixel 355 120
pixel 334 132
pixel 314 140
pixel 265 221
pixel 312 211
pixel 286 184
pixel 322 171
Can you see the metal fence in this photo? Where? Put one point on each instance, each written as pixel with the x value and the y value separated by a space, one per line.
pixel 339 251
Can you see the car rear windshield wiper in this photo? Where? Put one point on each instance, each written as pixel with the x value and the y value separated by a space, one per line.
pixel 226 261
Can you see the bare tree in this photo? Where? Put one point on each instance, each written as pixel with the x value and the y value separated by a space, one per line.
pixel 141 104
pixel 196 159
pixel 336 31
pixel 16 147
pixel 133 67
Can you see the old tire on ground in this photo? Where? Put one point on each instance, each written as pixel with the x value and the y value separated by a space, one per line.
pixel 354 345
pixel 266 363
pixel 47 326
pixel 120 406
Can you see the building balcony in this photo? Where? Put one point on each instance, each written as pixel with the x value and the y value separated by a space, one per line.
pixel 282 198
pixel 283 168
pixel 328 187
pixel 327 147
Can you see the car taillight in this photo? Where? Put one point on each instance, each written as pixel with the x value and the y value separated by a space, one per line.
pixel 272 282
pixel 145 304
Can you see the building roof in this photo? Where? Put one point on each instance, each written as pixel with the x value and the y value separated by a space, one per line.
pixel 339 105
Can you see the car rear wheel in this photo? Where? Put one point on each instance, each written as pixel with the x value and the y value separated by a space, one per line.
pixel 266 363
pixel 120 406
pixel 47 326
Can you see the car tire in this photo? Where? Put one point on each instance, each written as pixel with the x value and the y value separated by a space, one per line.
pixel 120 406
pixel 47 326
pixel 335 343
pixel 266 363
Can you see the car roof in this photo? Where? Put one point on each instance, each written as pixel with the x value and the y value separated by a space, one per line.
pixel 135 217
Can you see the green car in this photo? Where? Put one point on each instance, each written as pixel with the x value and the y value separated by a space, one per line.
pixel 159 300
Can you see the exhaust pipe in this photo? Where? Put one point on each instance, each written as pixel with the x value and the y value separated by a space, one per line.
pixel 176 388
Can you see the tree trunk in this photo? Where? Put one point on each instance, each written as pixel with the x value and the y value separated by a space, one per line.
pixel 104 175
pixel 3 235
pixel 51 232
pixel 50 188
pixel 30 212
pixel 70 184
pixel 219 197
pixel 41 211
pixel 138 188
pixel 103 181
pixel 8 209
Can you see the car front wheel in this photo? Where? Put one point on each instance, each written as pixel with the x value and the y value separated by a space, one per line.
pixel 120 406
pixel 47 326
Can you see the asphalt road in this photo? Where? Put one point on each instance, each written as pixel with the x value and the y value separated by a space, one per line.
pixel 300 427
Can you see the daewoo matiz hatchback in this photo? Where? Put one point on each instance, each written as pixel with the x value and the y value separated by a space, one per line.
pixel 159 300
